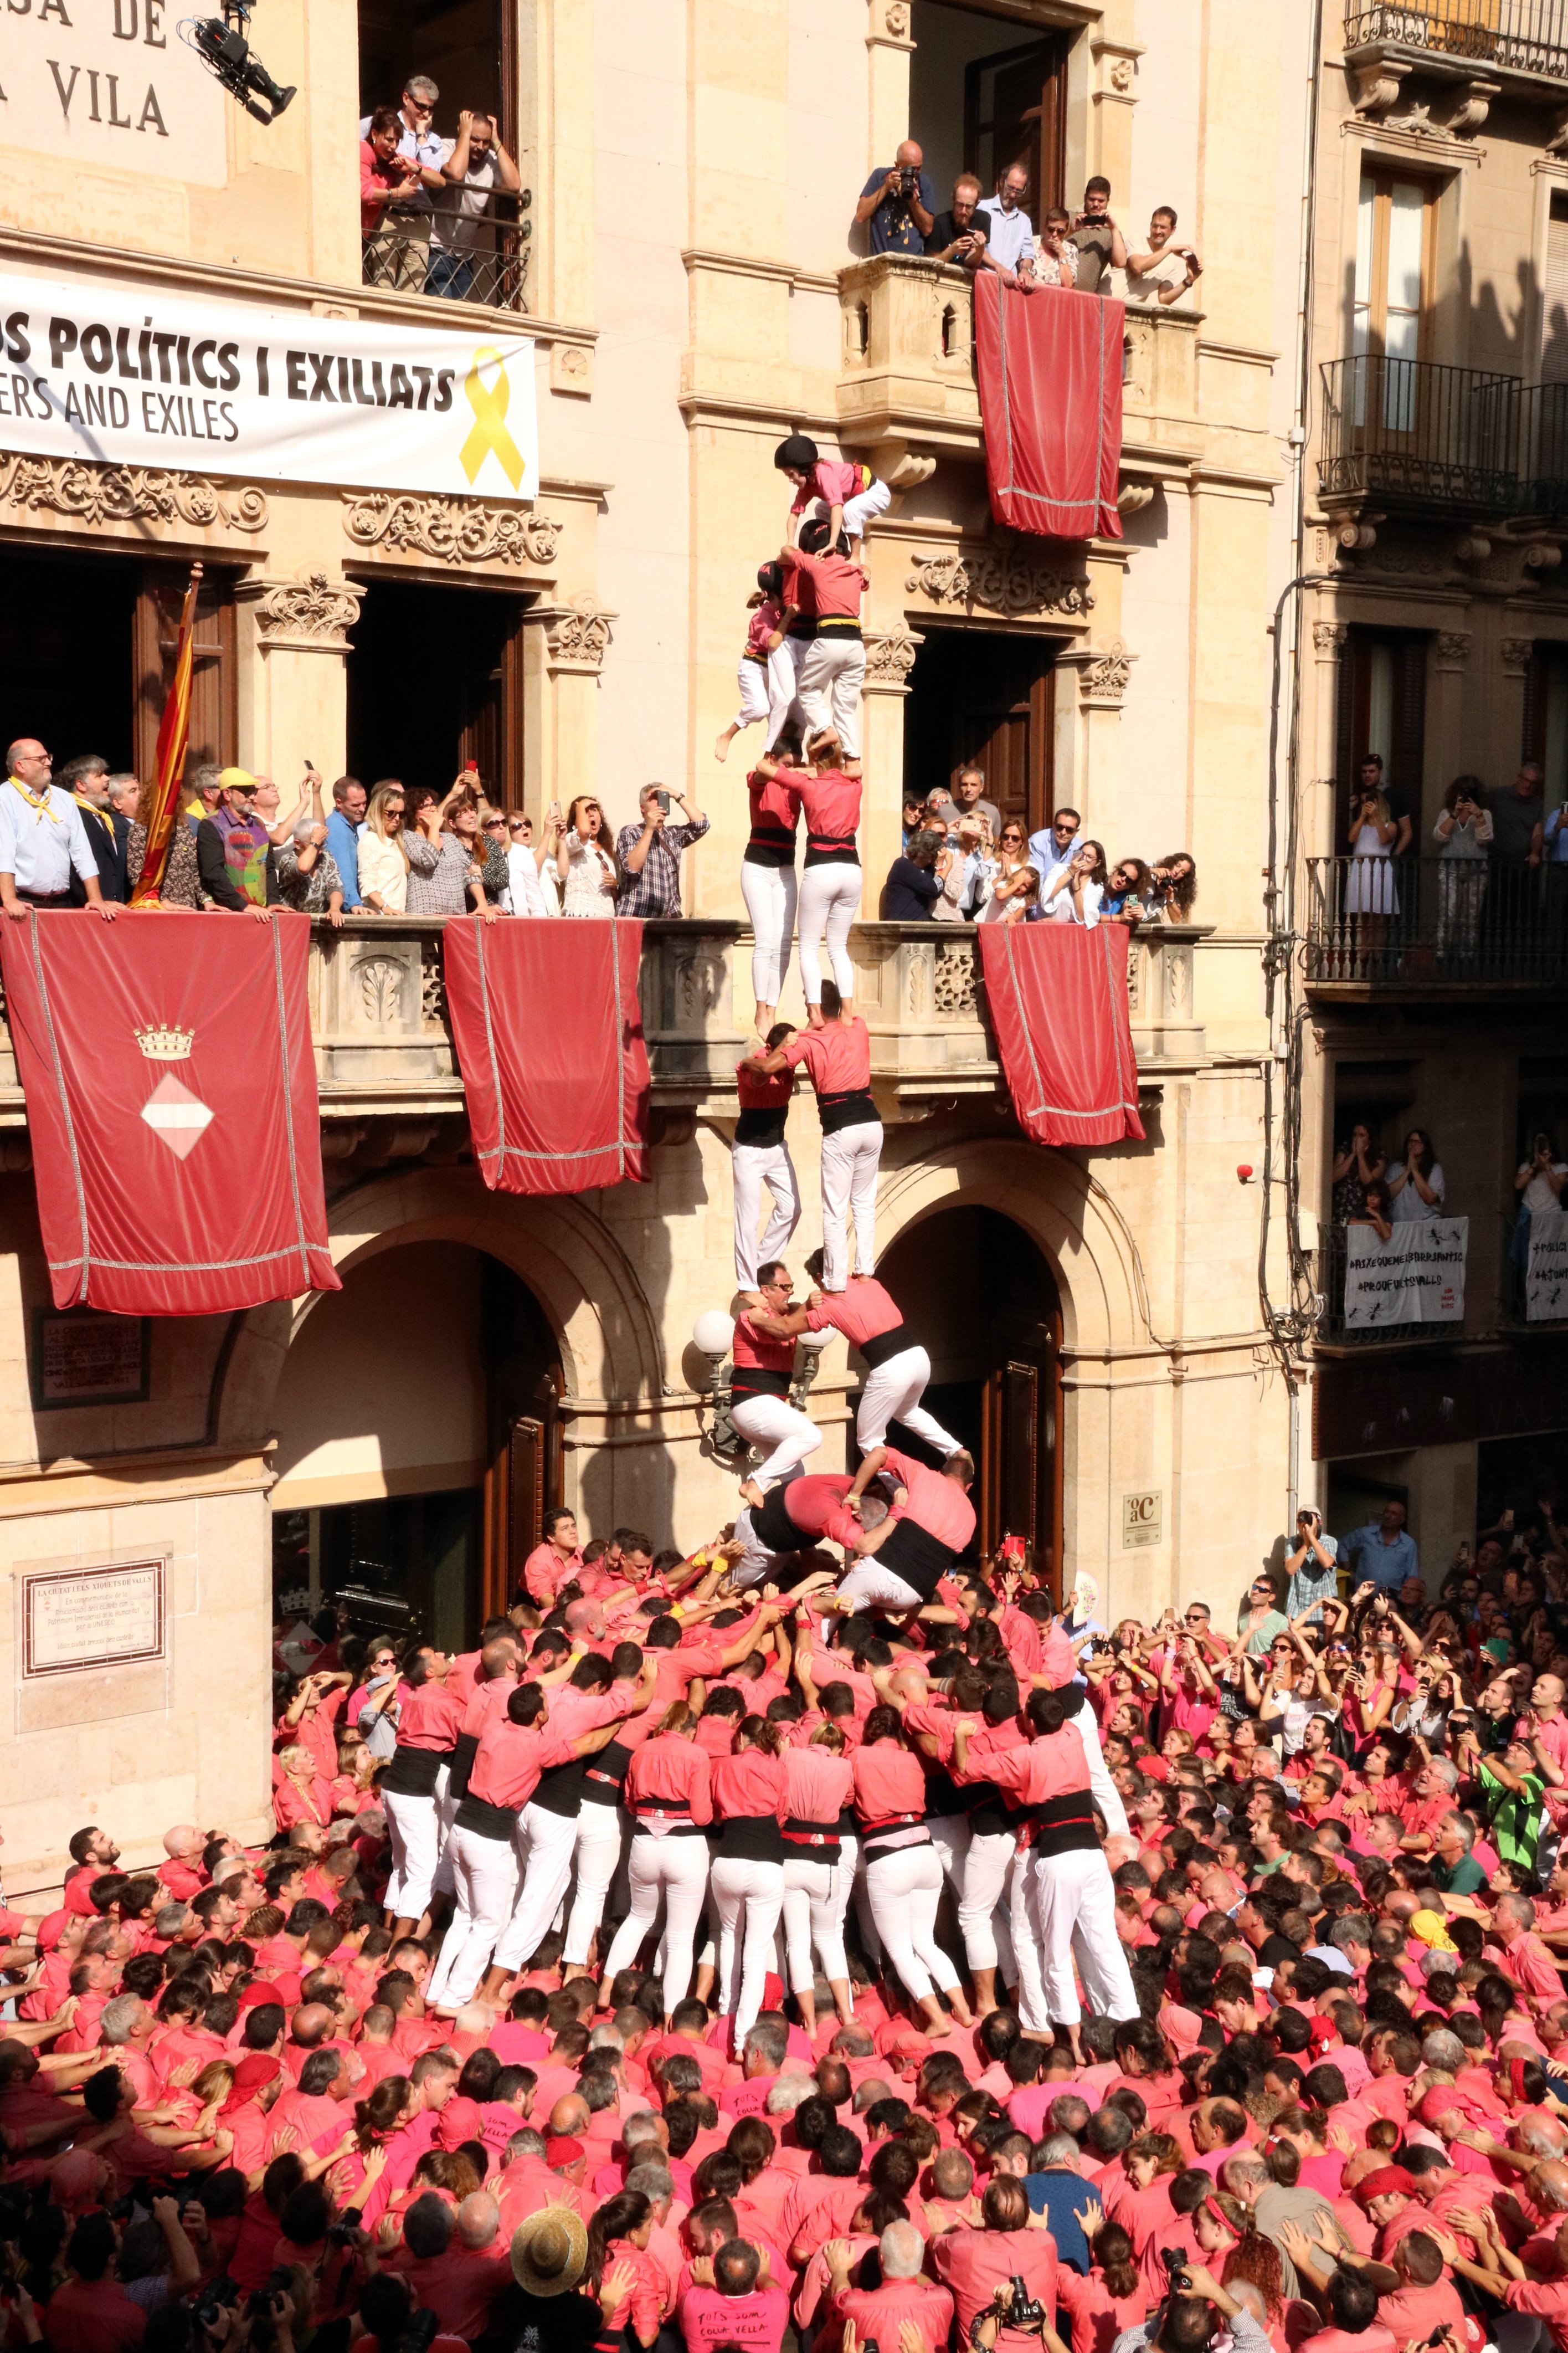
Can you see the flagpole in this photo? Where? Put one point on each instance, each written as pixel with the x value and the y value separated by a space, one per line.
pixel 173 740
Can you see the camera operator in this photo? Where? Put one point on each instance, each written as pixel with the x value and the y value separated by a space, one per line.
pixel 1197 2311
pixel 650 853
pixel 1312 1560
pixel 958 235
pixel 900 204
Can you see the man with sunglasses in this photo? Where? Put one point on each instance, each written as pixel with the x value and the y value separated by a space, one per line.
pixel 1052 846
pixel 1261 1618
pixel 407 262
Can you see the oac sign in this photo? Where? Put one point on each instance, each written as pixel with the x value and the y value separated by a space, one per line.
pixel 118 377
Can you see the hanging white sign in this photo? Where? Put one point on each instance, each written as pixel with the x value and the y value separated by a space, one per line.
pixel 1416 1276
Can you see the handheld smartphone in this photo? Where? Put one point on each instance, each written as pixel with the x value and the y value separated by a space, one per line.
pixel 662 798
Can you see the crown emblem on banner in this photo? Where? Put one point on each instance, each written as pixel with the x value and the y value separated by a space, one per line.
pixel 165 1045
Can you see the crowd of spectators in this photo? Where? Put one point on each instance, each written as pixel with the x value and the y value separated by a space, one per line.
pixel 233 2110
pixel 431 214
pixel 963 862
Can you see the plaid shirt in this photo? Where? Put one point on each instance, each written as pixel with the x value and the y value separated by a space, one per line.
pixel 657 890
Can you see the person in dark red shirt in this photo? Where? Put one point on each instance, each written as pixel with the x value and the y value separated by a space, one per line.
pixel 820 583
pixel 759 1384
pixel 897 1367
pixel 837 1057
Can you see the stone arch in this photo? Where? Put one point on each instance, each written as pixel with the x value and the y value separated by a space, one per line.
pixel 582 1280
pixel 1059 1206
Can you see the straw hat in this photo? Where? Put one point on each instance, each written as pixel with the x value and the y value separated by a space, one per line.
pixel 550 2251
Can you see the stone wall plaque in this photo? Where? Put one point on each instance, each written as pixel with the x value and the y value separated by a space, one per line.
pixel 1142 1515
pixel 79 1620
pixel 81 1358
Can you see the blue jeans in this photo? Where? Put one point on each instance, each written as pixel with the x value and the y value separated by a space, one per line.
pixel 449 274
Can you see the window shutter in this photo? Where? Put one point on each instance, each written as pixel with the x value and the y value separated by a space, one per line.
pixel 1554 294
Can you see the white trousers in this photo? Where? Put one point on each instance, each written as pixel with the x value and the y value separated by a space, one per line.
pixel 893 1391
pixel 950 1836
pixel 598 1858
pixel 749 1897
pixel 797 648
pixel 414 1832
pixel 446 1814
pixel 548 1841
pixel 870 1583
pixel 676 1868
pixel 1024 1909
pixel 773 1421
pixel 829 902
pixel 851 1161
pixel 753 1165
pixel 1075 1906
pixel 770 893
pixel 988 1941
pixel 1101 1787
pixel 813 1914
pixel 905 1888
pixel 858 510
pixel 484 1876
pixel 831 678
pixel 767 689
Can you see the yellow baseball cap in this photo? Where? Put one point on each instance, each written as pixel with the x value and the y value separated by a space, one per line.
pixel 236 780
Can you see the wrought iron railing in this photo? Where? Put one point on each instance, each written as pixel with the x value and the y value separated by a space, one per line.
pixel 1529 35
pixel 476 254
pixel 1419 434
pixel 1543 450
pixel 1406 921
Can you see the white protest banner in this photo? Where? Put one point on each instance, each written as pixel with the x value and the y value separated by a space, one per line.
pixel 120 376
pixel 1416 1276
pixel 1546 1277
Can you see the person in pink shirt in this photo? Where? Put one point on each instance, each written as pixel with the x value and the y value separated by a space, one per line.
pixel 847 489
pixel 732 2301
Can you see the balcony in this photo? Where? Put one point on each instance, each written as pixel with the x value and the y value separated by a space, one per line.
pixel 1429 928
pixel 387 1072
pixel 1413 436
pixel 490 268
pixel 1336 1333
pixel 1523 38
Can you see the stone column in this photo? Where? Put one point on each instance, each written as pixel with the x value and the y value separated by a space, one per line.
pixel 889 657
pixel 1318 834
pixel 888 38
pixel 564 652
pixel 1088 737
pixel 293 685
pixel 1445 728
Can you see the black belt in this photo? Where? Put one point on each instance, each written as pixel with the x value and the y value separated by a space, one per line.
pixel 756 1380
pixel 413 1772
pixel 873 1838
pixel 883 1345
pixel 912 1553
pixel 818 1837
pixel 854 1108
pixel 837 624
pixel 463 1756
pixel 831 850
pixel 44 898
pixel 477 1814
pixel 750 1838
pixel 761 1127
pixel 801 630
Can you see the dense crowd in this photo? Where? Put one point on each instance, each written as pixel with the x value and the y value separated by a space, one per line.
pixel 1173 1983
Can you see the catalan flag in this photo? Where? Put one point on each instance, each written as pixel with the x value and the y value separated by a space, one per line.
pixel 161 809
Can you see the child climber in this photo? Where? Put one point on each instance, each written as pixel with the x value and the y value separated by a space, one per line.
pixel 850 494
pixel 767 670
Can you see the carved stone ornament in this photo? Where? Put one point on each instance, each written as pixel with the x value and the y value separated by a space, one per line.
pixel 1467 116
pixel 1106 680
pixel 93 494
pixel 1377 86
pixel 1453 648
pixel 311 611
pixel 577 636
pixel 1122 76
pixel 999 580
pixel 1516 653
pixel 452 531
pixel 896 19
pixel 890 656
pixel 1329 636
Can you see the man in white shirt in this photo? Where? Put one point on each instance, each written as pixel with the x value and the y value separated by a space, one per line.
pixel 1009 237
pixel 42 840
pixel 465 245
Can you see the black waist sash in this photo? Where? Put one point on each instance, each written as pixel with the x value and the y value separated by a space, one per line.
pixel 772 1524
pixel 463 1756
pixel 831 850
pixel 1065 1825
pixel 883 1345
pixel 757 1380
pixel 750 1838
pixel 604 1772
pixel 486 1820
pixel 808 1841
pixel 765 1125
pixel 853 1108
pixel 413 1772
pixel 912 1553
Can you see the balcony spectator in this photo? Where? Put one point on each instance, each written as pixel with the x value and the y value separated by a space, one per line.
pixel 1128 893
pixel 1357 1164
pixel 1009 236
pixel 1464 832
pixel 1074 891
pixel 87 781
pixel 402 250
pixel 233 855
pixel 1370 886
pixel 913 885
pixel 1013 898
pixel 182 883
pixel 1054 842
pixel 345 825
pixel 969 793
pixel 1539 1185
pixel 1056 256
pixel 1370 777
pixel 206 795
pixel 446 858
pixel 1167 270
pixel 650 854
pixel 1376 1210
pixel 1416 1190
pixel 496 844
pixel 958 235
pixel 382 854
pixel 914 817
pixel 1381 1553
pixel 585 862
pixel 900 205
pixel 940 809
pixel 528 867
pixel 125 799
pixel 1012 850
pixel 465 241
pixel 1102 246
pixel 1519 830
pixel 45 854
pixel 309 880
pixel 1176 880
pixel 972 871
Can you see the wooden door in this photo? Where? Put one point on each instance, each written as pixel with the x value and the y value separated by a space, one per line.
pixel 982 697
pixel 1014 106
pixel 522 1480
pixel 1020 1479
pixel 491 730
pixel 1382 708
pixel 215 680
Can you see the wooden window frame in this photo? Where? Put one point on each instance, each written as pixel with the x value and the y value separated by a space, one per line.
pixel 1382 176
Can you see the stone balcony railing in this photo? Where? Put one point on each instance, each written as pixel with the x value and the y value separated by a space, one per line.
pixel 907 367
pixel 386 1064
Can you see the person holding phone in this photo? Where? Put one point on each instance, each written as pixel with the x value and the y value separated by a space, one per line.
pixel 1464 835
pixel 1312 1560
pixel 650 853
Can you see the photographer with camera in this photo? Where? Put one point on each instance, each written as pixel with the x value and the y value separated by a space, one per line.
pixel 900 205
pixel 1313 1565
pixel 1195 2313
pixel 650 854
pixel 1012 2250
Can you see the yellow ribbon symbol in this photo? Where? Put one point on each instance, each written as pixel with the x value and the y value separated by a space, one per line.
pixel 489 420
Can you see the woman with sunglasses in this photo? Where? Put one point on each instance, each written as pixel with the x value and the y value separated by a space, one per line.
pixel 526 866
pixel 382 855
pixel 585 862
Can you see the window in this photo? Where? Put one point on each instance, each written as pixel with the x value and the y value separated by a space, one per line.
pixel 1014 111
pixel 1392 275
pixel 1554 293
pixel 1382 709
pixel 1545 734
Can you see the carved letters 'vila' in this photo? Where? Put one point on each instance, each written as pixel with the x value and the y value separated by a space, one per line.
pixel 452 531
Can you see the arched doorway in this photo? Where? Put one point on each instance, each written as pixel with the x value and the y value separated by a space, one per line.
pixel 418 1441
pixel 981 1297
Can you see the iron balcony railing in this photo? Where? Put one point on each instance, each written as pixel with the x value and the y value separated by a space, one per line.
pixel 1543 450
pixel 1527 35
pixel 1416 433
pixel 478 253
pixel 1408 920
